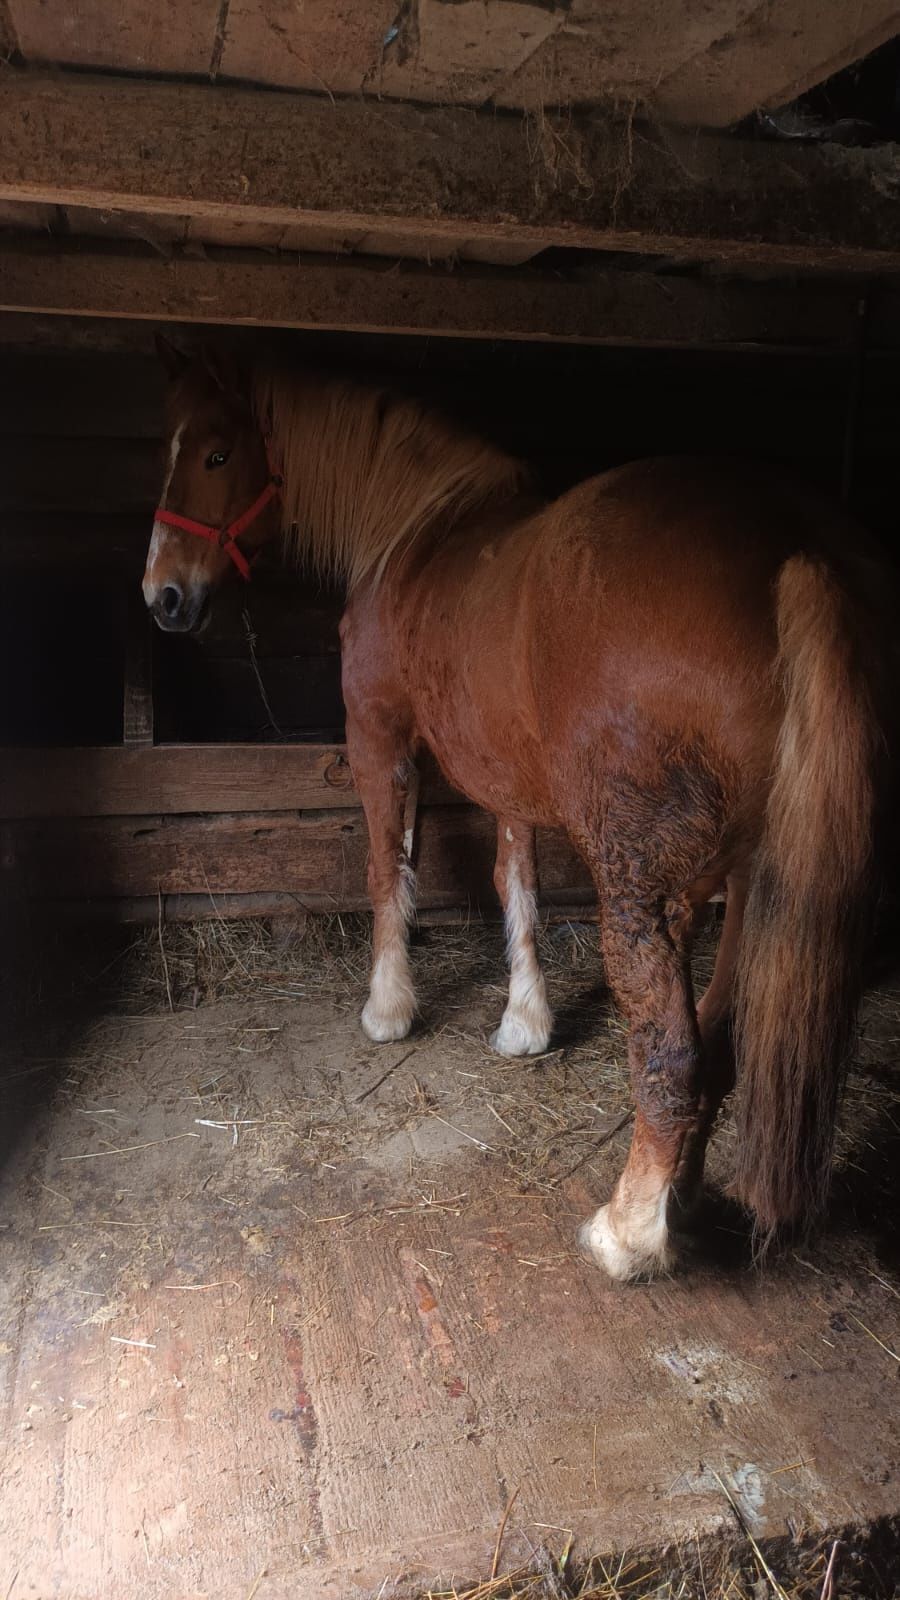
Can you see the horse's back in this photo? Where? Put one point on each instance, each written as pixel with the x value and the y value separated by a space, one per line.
pixel 692 515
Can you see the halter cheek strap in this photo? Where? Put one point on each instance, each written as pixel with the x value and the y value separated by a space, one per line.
pixel 226 538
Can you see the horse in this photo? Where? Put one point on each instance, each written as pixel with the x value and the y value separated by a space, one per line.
pixel 677 662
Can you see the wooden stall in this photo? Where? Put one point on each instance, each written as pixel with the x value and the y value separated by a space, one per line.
pixel 209 776
pixel 285 1315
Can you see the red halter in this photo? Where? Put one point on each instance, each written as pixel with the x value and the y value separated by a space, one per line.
pixel 226 538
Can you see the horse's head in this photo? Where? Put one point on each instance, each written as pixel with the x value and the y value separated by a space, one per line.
pixel 218 504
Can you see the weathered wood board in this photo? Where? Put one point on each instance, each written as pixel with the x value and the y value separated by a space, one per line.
pixel 319 857
pixel 174 36
pixel 232 153
pixel 280 290
pixel 317 1349
pixel 180 778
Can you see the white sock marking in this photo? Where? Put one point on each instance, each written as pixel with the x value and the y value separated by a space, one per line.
pixel 632 1242
pixel 389 1010
pixel 527 1022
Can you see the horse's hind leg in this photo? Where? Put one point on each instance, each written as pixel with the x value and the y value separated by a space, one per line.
pixel 630 1236
pixel 714 1020
pixel 647 970
pixel 527 1022
pixel 380 768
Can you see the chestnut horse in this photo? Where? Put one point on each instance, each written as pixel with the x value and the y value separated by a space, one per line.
pixel 675 662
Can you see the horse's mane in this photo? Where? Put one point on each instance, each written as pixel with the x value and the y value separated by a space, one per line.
pixel 366 471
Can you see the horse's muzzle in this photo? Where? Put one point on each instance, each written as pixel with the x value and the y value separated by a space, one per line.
pixel 178 610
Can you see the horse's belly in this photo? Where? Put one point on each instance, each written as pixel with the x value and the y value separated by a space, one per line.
pixel 507 785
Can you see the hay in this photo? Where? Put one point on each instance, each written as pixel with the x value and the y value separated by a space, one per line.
pixel 560 1116
pixel 852 1566
pixel 218 960
pixel 553 1113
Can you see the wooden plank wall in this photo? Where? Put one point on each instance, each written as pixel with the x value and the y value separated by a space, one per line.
pixel 79 471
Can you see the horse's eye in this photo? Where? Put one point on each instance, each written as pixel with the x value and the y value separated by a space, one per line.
pixel 217 459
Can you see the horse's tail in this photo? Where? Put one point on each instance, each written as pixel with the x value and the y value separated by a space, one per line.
pixel 799 973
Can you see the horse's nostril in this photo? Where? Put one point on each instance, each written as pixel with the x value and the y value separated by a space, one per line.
pixel 170 600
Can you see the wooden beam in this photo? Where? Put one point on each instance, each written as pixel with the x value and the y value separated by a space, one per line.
pixel 210 151
pixel 174 36
pixel 586 306
pixel 773 55
pixel 579 907
pixel 284 823
pixel 319 858
pixel 115 781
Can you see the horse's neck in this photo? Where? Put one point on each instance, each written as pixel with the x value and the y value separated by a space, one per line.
pixel 366 474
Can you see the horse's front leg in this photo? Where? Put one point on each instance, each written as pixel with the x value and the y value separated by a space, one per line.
pixel 527 1022
pixel 380 767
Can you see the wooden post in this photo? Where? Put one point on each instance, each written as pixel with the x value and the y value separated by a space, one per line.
pixel 137 706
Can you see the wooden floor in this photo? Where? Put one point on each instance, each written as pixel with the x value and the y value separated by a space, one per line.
pixel 316 1349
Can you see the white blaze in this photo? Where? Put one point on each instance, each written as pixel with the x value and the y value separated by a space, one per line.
pixel 160 532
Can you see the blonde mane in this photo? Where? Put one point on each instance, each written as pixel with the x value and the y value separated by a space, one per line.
pixel 366 472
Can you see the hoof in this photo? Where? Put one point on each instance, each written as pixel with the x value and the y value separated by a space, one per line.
pixel 382 1027
pixel 517 1037
pixel 644 1255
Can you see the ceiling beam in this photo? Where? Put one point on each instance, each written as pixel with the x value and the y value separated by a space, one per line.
pixel 258 289
pixel 222 152
pixel 771 57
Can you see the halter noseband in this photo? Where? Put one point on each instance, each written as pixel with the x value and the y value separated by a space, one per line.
pixel 226 538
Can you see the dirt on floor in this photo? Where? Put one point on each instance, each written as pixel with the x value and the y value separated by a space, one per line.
pixel 284 1313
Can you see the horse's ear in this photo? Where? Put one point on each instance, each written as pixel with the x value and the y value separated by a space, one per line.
pixel 225 370
pixel 173 359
